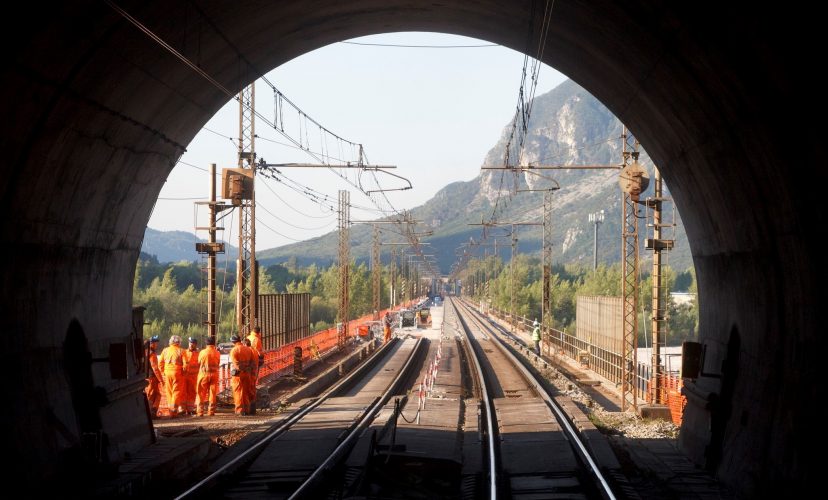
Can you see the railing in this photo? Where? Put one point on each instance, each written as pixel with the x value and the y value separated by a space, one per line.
pixel 603 362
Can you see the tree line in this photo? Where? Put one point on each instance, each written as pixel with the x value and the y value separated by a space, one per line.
pixel 568 282
pixel 174 295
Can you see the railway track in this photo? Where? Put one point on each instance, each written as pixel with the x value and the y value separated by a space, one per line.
pixel 531 449
pixel 298 456
pixel 479 425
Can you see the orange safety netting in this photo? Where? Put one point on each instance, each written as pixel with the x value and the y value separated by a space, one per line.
pixel 280 360
pixel 675 400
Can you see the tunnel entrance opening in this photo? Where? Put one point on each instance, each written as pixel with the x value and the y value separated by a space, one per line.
pixel 99 115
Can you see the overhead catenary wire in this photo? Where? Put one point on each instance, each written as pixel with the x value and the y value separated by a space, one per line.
pixel 260 205
pixel 302 116
pixel 404 46
pixel 275 231
pixel 523 113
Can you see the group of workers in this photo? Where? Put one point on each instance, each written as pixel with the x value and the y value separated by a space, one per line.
pixel 190 376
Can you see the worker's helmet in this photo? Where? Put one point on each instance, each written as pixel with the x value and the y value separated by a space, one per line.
pixel 154 338
pixel 211 341
pixel 193 340
pixel 235 338
pixel 175 339
pixel 535 323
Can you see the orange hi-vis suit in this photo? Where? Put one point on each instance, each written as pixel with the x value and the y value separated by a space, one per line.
pixel 171 362
pixel 154 379
pixel 241 363
pixel 253 379
pixel 255 341
pixel 190 378
pixel 208 378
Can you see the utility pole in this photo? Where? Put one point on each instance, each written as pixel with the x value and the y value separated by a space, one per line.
pixel 210 249
pixel 595 218
pixel 344 264
pixel 546 261
pixel 633 181
pixel 246 270
pixel 376 266
pixel 393 300
pixel 660 301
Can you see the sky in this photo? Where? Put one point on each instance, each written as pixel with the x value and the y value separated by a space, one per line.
pixel 433 113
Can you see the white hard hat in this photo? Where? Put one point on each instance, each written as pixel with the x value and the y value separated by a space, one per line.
pixel 535 323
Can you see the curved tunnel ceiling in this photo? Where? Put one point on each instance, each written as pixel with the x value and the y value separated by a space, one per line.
pixel 96 115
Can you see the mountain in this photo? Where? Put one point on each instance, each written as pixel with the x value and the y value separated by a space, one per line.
pixel 568 126
pixel 175 246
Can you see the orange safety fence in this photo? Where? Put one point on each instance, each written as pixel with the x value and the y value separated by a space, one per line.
pixel 280 360
pixel 669 393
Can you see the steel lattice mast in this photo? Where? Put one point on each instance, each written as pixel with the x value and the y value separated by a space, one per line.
pixel 247 284
pixel 629 277
pixel 546 301
pixel 344 265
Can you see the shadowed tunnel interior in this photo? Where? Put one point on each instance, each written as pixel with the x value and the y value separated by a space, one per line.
pixel 96 115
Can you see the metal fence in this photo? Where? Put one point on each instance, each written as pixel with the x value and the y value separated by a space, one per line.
pixel 284 318
pixel 600 360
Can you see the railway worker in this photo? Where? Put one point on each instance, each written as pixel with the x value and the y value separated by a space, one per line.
pixel 208 378
pixel 154 376
pixel 536 337
pixel 254 376
pixel 191 375
pixel 241 361
pixel 255 338
pixel 171 362
pixel 387 335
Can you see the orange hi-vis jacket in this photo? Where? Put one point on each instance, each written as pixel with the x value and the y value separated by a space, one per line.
pixel 255 342
pixel 208 378
pixel 191 362
pixel 156 371
pixel 171 361
pixel 208 360
pixel 243 358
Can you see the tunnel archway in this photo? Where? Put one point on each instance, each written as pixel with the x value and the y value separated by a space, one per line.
pixel 97 115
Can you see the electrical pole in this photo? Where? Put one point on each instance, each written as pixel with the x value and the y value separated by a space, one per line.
pixel 546 258
pixel 393 300
pixel 246 271
pixel 210 249
pixel 633 181
pixel 660 301
pixel 344 264
pixel 375 272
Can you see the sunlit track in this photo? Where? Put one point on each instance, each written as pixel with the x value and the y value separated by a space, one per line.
pixel 290 460
pixel 539 452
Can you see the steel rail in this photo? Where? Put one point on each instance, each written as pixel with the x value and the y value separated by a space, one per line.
pixel 574 437
pixel 281 427
pixel 489 408
pixel 348 442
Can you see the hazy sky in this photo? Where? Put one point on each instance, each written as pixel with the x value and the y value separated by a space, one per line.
pixel 432 112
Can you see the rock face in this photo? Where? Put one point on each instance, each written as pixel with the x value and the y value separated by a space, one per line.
pixel 568 127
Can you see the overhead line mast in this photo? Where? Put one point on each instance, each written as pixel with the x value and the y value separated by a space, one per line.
pixel 246 271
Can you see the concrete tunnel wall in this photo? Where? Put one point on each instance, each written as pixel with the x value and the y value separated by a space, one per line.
pixel 96 115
